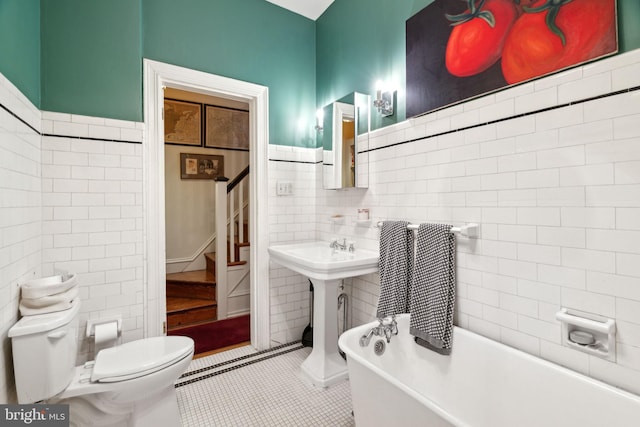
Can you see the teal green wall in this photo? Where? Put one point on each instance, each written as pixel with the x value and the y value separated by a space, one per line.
pixel 92 58
pixel 362 41
pixel 248 40
pixel 85 56
pixel 628 25
pixel 20 45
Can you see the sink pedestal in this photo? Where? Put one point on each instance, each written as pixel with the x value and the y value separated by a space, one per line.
pixel 324 366
pixel 325 267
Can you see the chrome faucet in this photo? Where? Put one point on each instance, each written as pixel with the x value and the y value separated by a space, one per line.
pixel 382 330
pixel 335 245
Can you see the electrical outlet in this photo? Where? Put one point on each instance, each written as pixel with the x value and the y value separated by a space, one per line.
pixel 284 188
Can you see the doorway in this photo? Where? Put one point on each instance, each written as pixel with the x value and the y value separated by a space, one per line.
pixel 157 77
pixel 206 138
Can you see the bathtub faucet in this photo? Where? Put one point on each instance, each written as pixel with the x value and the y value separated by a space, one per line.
pixel 386 328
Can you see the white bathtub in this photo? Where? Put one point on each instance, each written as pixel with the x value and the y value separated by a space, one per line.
pixel 481 384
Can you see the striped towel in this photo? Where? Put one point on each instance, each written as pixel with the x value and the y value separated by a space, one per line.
pixel 433 288
pixel 396 266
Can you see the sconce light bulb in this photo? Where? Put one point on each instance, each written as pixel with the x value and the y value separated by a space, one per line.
pixel 379 86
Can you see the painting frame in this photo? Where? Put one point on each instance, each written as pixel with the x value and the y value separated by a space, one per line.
pixel 439 74
pixel 182 122
pixel 201 166
pixel 226 128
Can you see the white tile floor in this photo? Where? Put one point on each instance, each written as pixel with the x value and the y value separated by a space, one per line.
pixel 243 388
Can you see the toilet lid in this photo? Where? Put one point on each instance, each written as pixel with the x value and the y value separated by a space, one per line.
pixel 139 358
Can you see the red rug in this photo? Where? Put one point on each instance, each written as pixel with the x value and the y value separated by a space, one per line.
pixel 219 334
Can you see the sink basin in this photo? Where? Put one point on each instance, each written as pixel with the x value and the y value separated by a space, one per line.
pixel 317 260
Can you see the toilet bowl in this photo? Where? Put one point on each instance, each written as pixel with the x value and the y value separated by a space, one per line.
pixel 127 385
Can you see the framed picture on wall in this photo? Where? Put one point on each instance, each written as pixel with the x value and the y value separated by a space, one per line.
pixel 457 50
pixel 182 122
pixel 201 166
pixel 226 128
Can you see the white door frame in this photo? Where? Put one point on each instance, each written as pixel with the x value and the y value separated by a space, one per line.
pixel 157 76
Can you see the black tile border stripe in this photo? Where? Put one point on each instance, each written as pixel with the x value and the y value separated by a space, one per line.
pixel 542 110
pixel 296 161
pixel 237 359
pixel 242 365
pixel 503 119
pixel 122 141
pixel 20 118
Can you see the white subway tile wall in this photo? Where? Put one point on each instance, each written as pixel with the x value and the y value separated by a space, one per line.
pixel 557 194
pixel 292 218
pixel 20 213
pixel 92 215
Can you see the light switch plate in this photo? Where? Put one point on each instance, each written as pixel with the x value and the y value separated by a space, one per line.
pixel 284 188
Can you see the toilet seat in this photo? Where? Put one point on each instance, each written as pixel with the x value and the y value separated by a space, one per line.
pixel 139 358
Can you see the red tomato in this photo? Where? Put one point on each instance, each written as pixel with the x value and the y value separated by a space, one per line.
pixel 533 49
pixel 474 45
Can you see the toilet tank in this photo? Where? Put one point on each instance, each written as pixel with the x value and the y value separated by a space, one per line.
pixel 44 353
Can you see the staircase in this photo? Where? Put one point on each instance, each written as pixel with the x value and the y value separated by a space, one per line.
pixel 191 298
pixel 201 296
pixel 191 295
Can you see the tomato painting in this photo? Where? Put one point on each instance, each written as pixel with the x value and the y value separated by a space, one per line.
pixel 554 34
pixel 478 36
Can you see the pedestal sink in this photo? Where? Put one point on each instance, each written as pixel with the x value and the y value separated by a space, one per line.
pixel 325 267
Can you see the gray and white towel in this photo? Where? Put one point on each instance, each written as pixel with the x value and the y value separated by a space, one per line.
pixel 396 267
pixel 433 288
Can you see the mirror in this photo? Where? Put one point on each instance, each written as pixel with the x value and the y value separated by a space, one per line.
pixel 345 132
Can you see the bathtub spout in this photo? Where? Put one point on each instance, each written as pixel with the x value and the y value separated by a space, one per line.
pixel 385 330
pixel 366 339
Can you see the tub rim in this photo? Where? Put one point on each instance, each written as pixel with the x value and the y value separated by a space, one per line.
pixel 362 329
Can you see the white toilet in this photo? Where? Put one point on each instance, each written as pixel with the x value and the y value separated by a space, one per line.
pixel 128 385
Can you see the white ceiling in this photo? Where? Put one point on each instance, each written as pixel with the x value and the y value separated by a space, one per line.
pixel 312 9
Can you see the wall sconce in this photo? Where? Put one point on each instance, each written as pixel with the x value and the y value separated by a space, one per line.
pixel 319 119
pixel 384 99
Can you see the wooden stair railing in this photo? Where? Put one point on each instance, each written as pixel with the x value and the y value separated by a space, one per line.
pixel 235 188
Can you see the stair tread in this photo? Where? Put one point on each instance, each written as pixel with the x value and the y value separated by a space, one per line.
pixel 212 257
pixel 197 276
pixel 176 304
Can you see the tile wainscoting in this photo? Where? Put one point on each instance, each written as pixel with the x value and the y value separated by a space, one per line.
pixel 551 171
pixel 20 213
